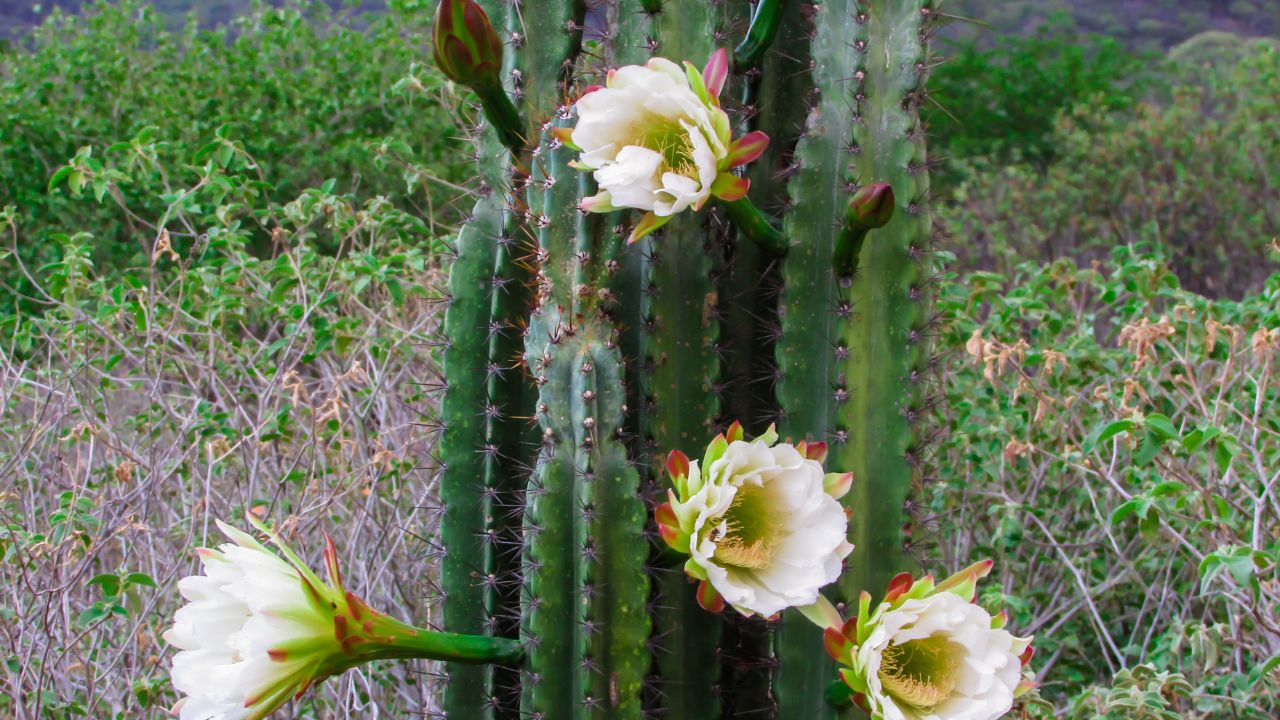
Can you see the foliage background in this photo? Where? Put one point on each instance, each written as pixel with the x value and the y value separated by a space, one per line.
pixel 221 246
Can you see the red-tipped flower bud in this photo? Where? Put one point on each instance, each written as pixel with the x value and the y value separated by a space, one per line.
pixel 467 49
pixel 871 207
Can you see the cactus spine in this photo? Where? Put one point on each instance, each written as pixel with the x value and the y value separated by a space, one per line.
pixel 628 352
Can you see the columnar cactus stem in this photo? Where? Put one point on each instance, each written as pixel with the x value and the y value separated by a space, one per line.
pixel 774 102
pixel 812 388
pixel 487 441
pixel 851 346
pixel 468 510
pixel 886 334
pixel 641 349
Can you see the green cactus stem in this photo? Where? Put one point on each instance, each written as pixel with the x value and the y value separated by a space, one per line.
pixel 468 604
pixel 765 21
pixel 753 224
pixel 887 367
pixel 811 386
pixel 681 392
pixel 585 519
pixel 549 612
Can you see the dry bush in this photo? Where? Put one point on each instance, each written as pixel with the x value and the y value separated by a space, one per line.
pixel 1117 450
pixel 209 384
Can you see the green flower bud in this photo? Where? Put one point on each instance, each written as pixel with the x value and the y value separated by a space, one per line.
pixel 467 49
pixel 871 207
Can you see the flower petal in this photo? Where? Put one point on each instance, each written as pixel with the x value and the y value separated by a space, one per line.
pixel 565 136
pixel 823 614
pixel 709 599
pixel 745 149
pixel 677 465
pixel 649 223
pixel 631 179
pixel 837 485
pixel 716 72
pixel 730 187
pixel 599 203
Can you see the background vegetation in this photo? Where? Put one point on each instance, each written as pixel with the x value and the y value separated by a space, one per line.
pixel 221 249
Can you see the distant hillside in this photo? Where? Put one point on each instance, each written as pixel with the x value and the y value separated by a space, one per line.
pixel 1142 24
pixel 1146 24
pixel 16 15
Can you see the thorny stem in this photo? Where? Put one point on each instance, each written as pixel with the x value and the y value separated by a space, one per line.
pixel 388 638
pixel 504 116
pixel 756 225
pixel 764 28
pixel 844 259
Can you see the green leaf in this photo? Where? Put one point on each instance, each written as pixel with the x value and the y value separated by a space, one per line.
pixel 1149 448
pixel 92 614
pixel 204 152
pixel 1264 669
pixel 1196 439
pixel 109 583
pixel 1126 509
pixel 1224 450
pixel 1107 432
pixel 1162 426
pixel 58 176
pixel 1168 487
pixel 137 578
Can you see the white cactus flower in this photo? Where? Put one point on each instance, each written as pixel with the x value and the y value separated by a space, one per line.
pixel 760 522
pixel 930 653
pixel 259 629
pixel 656 140
pixel 252 634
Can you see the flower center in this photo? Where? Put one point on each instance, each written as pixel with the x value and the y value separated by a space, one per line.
pixel 921 672
pixel 673 144
pixel 750 539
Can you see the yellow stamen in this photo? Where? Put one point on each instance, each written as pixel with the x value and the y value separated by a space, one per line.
pixel 922 672
pixel 746 547
pixel 675 148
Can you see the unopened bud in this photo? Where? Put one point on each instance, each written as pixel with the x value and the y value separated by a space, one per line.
pixel 871 207
pixel 467 49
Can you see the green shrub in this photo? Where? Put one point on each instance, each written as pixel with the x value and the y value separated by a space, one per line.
pixel 1114 446
pixel 1003 101
pixel 308 97
pixel 1196 180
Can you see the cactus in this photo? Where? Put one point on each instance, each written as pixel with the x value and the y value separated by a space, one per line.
pixel 806 304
